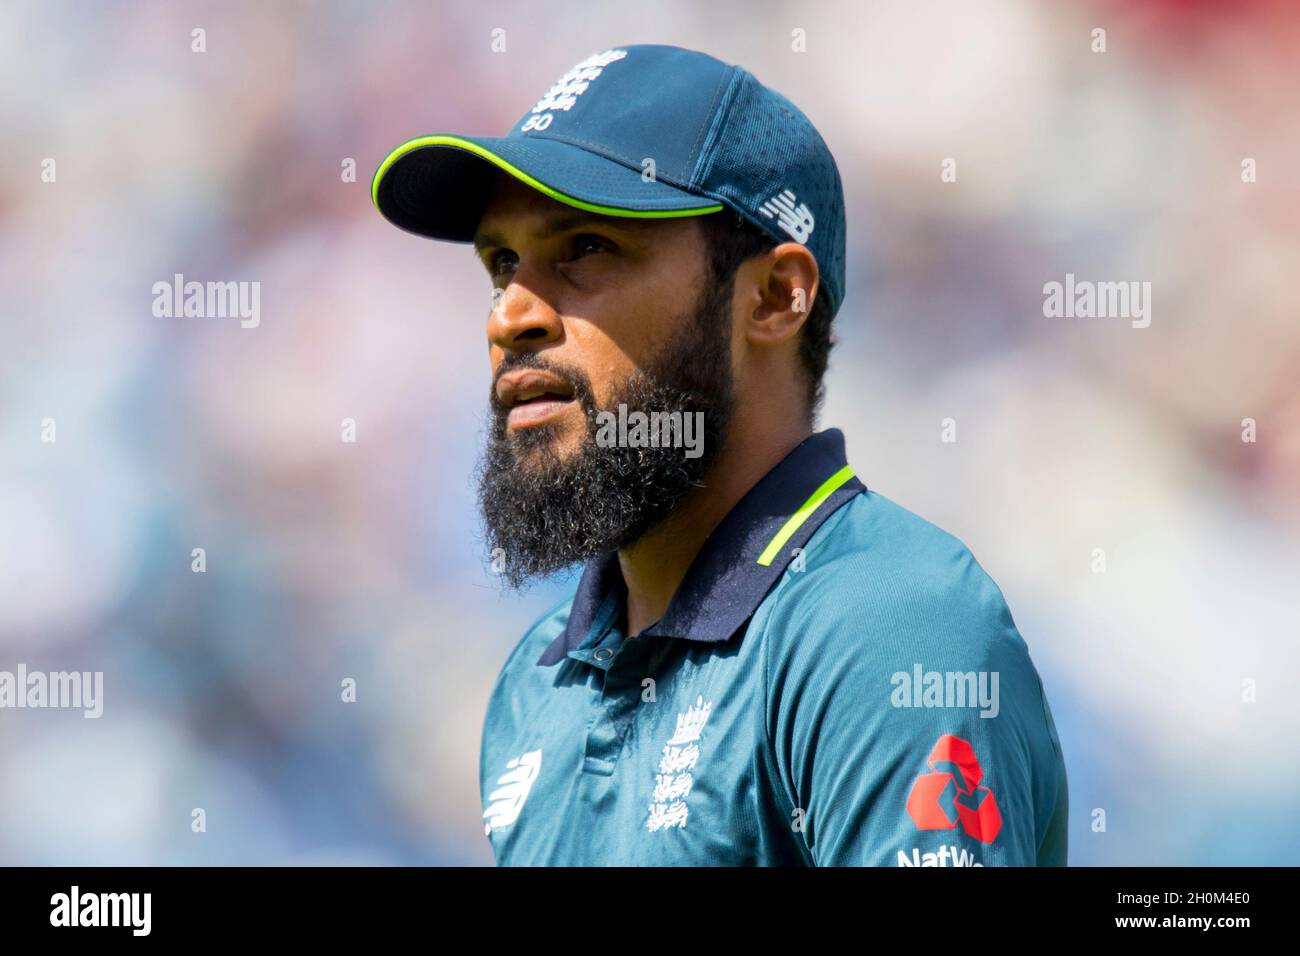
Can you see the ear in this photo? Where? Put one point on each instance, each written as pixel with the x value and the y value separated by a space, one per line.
pixel 783 281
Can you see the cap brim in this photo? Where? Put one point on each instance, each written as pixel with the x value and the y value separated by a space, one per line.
pixel 438 186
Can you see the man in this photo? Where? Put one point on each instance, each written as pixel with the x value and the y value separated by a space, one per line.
pixel 763 661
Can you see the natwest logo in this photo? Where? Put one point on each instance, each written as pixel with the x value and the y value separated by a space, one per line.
pixel 951 794
pixel 945 856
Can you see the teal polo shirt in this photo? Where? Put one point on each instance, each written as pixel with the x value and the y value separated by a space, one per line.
pixel 836 682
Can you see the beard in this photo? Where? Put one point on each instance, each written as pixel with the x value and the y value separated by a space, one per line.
pixel 544 512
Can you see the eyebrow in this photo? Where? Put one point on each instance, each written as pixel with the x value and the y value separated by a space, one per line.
pixel 561 222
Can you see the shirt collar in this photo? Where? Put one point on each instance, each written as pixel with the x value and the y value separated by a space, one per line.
pixel 741 560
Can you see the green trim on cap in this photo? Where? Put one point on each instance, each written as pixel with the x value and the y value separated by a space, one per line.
pixel 422 141
pixel 804 513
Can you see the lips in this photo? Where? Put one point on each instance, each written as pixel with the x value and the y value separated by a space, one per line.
pixel 532 395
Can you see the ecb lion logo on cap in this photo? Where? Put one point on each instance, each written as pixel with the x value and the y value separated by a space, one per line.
pixel 565 91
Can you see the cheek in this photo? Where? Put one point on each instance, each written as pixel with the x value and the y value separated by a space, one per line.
pixel 607 361
pixel 624 330
pixel 633 332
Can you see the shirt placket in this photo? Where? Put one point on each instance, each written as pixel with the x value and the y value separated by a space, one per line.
pixel 621 662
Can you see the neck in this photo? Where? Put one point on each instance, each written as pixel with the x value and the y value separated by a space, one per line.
pixel 655 565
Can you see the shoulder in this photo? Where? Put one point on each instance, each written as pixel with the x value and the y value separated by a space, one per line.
pixel 877 580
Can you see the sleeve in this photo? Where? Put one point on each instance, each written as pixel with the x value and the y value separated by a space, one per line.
pixel 908 724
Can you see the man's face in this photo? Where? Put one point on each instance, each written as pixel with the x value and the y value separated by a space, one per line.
pixel 599 294
pixel 592 312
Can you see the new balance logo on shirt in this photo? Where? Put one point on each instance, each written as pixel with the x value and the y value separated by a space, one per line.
pixel 505 802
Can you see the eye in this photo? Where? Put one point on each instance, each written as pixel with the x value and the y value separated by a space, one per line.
pixel 586 244
pixel 500 260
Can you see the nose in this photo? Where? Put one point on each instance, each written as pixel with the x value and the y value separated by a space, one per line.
pixel 522 320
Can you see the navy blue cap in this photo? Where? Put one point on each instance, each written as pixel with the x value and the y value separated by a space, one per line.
pixel 648 131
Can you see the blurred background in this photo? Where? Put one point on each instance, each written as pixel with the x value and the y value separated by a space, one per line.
pixel 329 560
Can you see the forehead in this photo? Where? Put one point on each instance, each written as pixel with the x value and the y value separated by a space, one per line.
pixel 515 210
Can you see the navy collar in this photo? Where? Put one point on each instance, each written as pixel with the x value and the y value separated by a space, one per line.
pixel 741 560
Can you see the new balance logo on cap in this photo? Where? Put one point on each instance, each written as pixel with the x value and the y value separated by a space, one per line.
pixel 797 221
